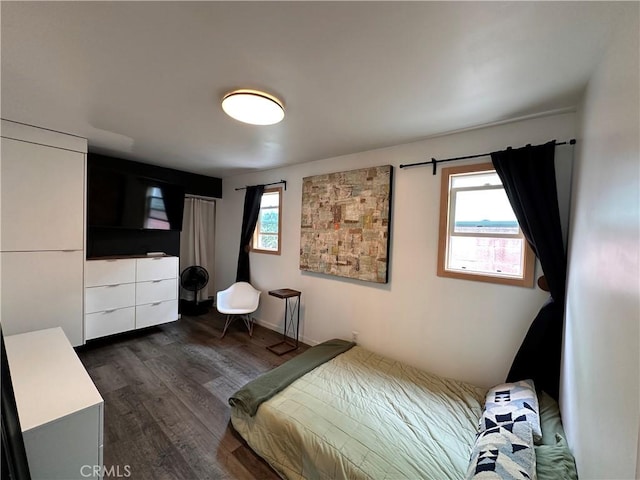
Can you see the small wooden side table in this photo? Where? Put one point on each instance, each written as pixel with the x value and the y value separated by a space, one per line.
pixel 290 311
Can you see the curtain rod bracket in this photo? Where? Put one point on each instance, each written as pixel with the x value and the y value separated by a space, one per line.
pixel 434 163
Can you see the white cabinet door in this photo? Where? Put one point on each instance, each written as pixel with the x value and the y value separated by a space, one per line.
pixel 65 449
pixel 156 313
pixel 42 192
pixel 109 297
pixel 105 323
pixel 110 272
pixel 156 291
pixel 156 268
pixel 42 290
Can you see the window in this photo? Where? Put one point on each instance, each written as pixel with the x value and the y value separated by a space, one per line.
pixel 156 214
pixel 480 238
pixel 266 236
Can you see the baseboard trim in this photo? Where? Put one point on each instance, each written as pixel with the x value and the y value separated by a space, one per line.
pixel 278 329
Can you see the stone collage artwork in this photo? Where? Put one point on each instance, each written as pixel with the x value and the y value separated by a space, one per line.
pixel 345 223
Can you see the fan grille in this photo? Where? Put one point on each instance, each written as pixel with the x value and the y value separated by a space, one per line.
pixel 194 278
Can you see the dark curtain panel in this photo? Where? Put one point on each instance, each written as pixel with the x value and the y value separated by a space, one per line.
pixel 529 179
pixel 252 199
pixel 174 205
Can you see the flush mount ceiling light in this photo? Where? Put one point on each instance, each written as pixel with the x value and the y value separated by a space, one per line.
pixel 253 106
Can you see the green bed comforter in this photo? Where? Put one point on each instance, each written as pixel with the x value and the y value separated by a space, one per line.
pixel 364 416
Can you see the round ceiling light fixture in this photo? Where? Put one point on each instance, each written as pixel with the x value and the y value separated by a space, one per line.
pixel 253 106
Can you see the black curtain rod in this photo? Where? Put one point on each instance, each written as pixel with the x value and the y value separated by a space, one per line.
pixel 266 185
pixel 435 162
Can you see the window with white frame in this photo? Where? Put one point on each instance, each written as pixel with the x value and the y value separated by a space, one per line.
pixel 480 238
pixel 266 236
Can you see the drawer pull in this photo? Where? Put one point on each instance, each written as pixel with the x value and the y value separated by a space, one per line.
pixel 155 304
pixel 110 311
pixel 114 260
pixel 156 281
pixel 114 285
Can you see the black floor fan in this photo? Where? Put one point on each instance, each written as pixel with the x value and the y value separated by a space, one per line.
pixel 194 279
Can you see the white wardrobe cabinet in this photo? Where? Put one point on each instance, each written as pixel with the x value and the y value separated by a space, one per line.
pixel 42 197
pixel 42 202
pixel 42 290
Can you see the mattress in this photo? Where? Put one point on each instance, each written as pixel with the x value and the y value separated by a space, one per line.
pixel 364 416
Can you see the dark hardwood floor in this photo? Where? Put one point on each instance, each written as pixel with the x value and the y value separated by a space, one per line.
pixel 165 391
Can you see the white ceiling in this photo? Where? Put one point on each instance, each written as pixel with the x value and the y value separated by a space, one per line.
pixel 143 80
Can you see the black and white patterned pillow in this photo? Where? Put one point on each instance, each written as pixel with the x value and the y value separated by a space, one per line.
pixel 505 452
pixel 512 403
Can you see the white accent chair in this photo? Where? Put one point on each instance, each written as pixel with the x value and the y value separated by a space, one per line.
pixel 239 300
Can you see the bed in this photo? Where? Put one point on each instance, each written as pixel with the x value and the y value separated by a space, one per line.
pixel 341 411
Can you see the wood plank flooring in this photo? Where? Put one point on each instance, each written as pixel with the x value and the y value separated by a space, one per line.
pixel 165 391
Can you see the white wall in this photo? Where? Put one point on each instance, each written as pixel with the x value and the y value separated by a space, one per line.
pixel 458 328
pixel 601 362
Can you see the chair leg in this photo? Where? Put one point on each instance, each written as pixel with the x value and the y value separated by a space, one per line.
pixel 230 319
pixel 248 321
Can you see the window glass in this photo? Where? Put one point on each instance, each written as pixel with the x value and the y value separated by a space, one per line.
pixel 475 179
pixel 484 211
pixel 500 256
pixel 156 214
pixel 266 237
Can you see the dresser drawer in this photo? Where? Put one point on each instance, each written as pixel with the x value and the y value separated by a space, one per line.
pixel 109 272
pixel 156 268
pixel 101 324
pixel 156 291
pixel 156 313
pixel 109 297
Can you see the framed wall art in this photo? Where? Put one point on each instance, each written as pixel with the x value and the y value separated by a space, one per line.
pixel 345 223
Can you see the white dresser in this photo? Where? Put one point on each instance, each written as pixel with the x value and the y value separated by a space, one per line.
pixel 60 409
pixel 123 294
